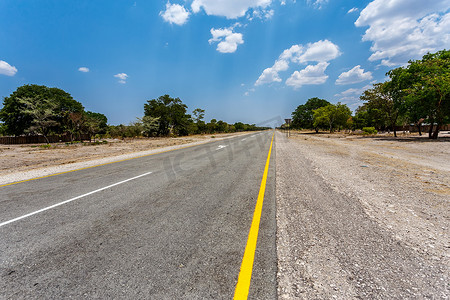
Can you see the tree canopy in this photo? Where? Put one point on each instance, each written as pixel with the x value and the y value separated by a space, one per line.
pixel 40 110
pixel 171 114
pixel 379 110
pixel 332 116
pixel 15 113
pixel 303 116
pixel 421 90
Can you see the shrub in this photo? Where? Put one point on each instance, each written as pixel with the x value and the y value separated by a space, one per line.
pixel 369 130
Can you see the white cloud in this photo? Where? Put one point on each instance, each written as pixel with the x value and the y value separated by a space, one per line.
pixel 351 96
pixel 352 10
pixel 175 14
pixel 271 74
pixel 321 51
pixel 227 39
pixel 7 69
pixel 317 3
pixel 247 93
pixel 230 9
pixel 122 77
pixel 263 14
pixel 310 75
pixel 83 69
pixel 401 30
pixel 354 75
pixel 353 92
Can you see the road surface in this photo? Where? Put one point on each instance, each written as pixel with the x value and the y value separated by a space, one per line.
pixel 166 226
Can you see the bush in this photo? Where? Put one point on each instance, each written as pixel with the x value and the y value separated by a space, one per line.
pixel 369 130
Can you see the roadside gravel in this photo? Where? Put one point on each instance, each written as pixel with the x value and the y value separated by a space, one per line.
pixel 362 218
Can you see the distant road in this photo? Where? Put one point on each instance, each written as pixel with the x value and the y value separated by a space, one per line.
pixel 168 226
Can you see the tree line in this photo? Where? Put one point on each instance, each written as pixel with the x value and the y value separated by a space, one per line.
pixel 40 110
pixel 167 116
pixel 418 94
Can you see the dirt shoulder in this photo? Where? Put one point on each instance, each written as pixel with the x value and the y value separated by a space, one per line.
pixel 22 162
pixel 402 185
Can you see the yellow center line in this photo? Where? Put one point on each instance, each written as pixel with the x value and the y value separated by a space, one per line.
pixel 245 274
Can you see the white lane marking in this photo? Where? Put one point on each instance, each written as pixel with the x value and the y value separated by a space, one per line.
pixel 70 200
pixel 220 147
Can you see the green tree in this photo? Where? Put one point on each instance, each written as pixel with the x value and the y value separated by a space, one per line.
pixel 198 114
pixel 171 113
pixel 2 129
pixel 116 131
pixel 211 126
pixel 150 125
pixel 95 123
pixel 239 126
pixel 366 116
pixel 222 126
pixel 42 114
pixel 331 116
pixel 74 123
pixel 422 90
pixel 303 116
pixel 17 122
pixel 380 103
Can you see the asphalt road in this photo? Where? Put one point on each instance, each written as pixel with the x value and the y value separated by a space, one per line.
pixel 168 226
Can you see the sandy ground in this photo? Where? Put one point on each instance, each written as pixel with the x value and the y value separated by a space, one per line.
pixel 22 162
pixel 402 185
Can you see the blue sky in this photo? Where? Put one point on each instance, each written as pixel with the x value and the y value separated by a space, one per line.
pixel 240 60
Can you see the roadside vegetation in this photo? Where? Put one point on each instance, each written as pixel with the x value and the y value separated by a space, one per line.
pixel 417 94
pixel 39 110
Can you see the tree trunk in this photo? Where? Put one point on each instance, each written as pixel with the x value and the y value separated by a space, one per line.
pixel 430 132
pixel 419 127
pixel 394 122
pixel 436 131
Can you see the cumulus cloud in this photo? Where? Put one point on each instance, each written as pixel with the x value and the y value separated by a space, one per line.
pixel 354 75
pixel 228 40
pixel 401 30
pixel 230 9
pixel 122 77
pixel 7 69
pixel 271 74
pixel 321 51
pixel 175 14
pixel 83 69
pixel 312 74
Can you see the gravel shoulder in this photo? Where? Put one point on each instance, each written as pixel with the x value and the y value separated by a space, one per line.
pixel 362 217
pixel 24 162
